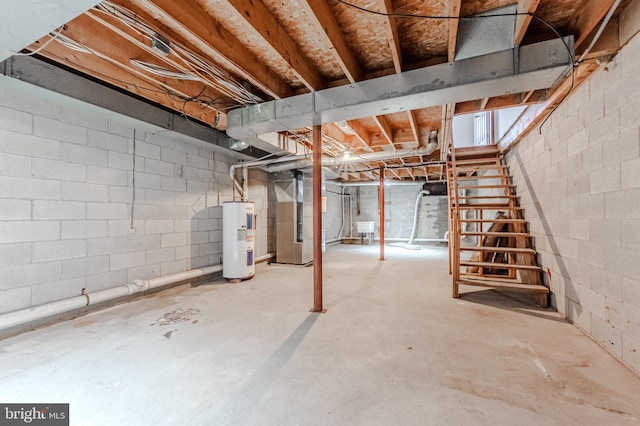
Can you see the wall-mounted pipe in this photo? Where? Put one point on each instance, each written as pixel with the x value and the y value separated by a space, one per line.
pixel 25 316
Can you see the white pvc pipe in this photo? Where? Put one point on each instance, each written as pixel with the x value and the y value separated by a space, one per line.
pixel 415 215
pixel 420 240
pixel 265 257
pixel 35 313
pixel 144 285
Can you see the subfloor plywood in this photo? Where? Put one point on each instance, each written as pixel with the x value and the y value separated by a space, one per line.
pixel 393 348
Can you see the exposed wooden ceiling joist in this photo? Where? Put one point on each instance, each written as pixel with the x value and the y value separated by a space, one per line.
pixel 523 21
pixel 188 23
pixel 326 24
pixel 279 49
pixel 587 19
pixel 414 127
pixel 385 129
pixel 454 11
pixel 360 132
pixel 256 14
pixel 112 63
pixel 391 30
pixel 500 102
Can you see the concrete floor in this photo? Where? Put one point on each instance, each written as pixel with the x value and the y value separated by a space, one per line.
pixel 394 348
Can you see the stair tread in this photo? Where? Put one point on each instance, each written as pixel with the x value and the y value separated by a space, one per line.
pixel 499 249
pixel 484 197
pixel 466 162
pixel 494 220
pixel 499 265
pixel 487 206
pixel 486 186
pixel 480 177
pixel 497 234
pixel 504 284
pixel 481 167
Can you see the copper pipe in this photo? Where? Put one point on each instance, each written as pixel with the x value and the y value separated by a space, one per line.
pixel 381 204
pixel 317 219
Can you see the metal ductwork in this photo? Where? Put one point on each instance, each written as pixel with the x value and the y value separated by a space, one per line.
pixel 301 162
pixel 520 69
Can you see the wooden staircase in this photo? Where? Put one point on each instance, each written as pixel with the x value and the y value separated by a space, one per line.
pixel 486 222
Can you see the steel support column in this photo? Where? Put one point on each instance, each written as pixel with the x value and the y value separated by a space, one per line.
pixel 317 219
pixel 381 204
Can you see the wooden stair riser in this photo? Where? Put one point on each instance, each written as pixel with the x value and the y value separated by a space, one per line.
pixel 520 271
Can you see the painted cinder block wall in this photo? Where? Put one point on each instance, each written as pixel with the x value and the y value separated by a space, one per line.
pixel 66 193
pixel 579 182
pixel 399 211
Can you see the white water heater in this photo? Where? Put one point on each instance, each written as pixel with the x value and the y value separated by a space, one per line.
pixel 237 240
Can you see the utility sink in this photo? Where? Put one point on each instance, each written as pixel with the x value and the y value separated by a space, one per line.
pixel 365 227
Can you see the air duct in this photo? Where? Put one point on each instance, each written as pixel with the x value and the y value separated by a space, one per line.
pixel 301 162
pixel 520 69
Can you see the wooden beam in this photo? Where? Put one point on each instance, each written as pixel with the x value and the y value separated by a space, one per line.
pixel 326 24
pixel 445 132
pixel 385 129
pixel 189 24
pixel 391 31
pixel 499 102
pixel 523 21
pixel 454 11
pixel 526 96
pixel 360 132
pixel 414 126
pixel 256 14
pixel 587 19
pixel 483 103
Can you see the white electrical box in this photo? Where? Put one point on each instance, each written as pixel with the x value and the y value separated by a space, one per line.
pixel 238 232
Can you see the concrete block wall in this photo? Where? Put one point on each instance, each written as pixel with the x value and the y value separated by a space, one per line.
pixel 67 217
pixel 336 204
pixel 399 211
pixel 579 182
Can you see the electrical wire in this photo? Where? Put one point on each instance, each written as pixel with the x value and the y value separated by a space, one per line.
pixel 193 64
pixel 435 17
pixel 53 37
pixel 163 72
